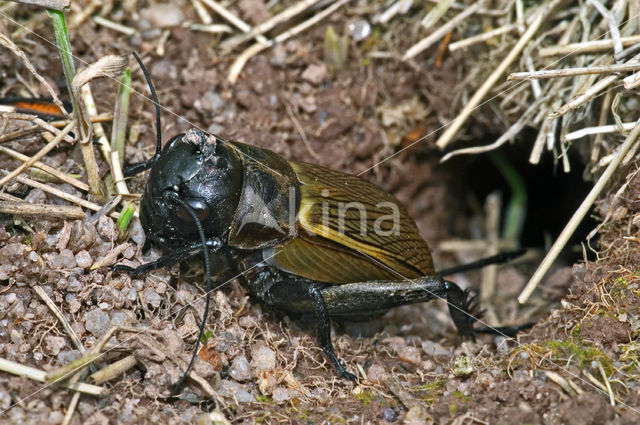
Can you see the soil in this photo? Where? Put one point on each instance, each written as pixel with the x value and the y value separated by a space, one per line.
pixel 263 366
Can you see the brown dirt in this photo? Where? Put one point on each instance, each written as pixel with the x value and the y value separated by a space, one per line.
pixel 410 367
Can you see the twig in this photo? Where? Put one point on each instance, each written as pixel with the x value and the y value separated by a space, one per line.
pixel 481 37
pixel 232 19
pixel 39 375
pixel 579 215
pixel 47 169
pixel 443 30
pixel 471 105
pixel 242 59
pixel 45 150
pixel 571 72
pixel 47 210
pixel 594 46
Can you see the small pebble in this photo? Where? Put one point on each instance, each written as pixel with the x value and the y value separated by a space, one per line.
pixel 68 356
pixel 83 259
pixel 409 355
pixel 434 349
pixel 53 344
pixel 239 369
pixel 97 322
pixel 389 415
pixel 237 391
pixel 263 359
pixel 152 297
pixel 281 394
pixel 315 74
pixel 163 15
pixel 360 30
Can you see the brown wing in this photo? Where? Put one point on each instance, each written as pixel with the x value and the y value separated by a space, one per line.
pixel 356 232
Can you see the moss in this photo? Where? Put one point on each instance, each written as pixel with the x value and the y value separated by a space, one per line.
pixel 208 333
pixel 264 399
pixel 461 396
pixel 433 389
pixel 580 352
pixel 365 397
pixel 453 409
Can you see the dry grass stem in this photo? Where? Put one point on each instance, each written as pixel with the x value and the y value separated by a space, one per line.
pixel 63 321
pixel 542 14
pixel 47 169
pixel 480 38
pixel 6 41
pixel 37 121
pixel 110 258
pixel 35 158
pixel 562 382
pixel 211 28
pixel 613 26
pixel 594 46
pixel 612 398
pixel 113 370
pixel 603 129
pixel 241 60
pixel 579 100
pixel 232 19
pixel 63 195
pixel 473 245
pixel 114 26
pixel 443 30
pixel 434 15
pixel 577 217
pixel 505 137
pixel 40 376
pixel 572 72
pixel 44 210
pixel 49 4
pixel 492 208
pixel 269 24
pixel 111 67
pixel 202 12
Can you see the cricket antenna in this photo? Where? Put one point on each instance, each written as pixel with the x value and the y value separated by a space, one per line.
pixel 172 197
pixel 134 169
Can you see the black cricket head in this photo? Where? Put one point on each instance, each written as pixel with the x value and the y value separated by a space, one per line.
pixel 205 173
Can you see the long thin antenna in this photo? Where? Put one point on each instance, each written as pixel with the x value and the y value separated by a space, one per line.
pixel 134 169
